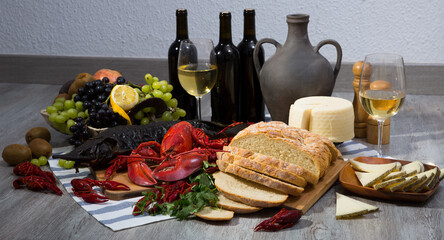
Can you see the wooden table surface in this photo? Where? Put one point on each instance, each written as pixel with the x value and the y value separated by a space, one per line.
pixel 417 133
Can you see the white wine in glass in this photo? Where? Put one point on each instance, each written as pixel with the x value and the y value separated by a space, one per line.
pixel 197 68
pixel 382 88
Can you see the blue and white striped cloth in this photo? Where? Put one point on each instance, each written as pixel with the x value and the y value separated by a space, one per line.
pixel 117 215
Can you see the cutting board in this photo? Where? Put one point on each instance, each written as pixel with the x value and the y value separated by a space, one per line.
pixel 312 193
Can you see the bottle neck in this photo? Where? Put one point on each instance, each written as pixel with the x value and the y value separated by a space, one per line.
pixel 182 25
pixel 297 33
pixel 249 26
pixel 225 29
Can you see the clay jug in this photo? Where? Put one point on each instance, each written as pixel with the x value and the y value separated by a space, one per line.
pixel 296 69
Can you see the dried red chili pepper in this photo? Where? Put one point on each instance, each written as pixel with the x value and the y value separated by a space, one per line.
pixel 283 219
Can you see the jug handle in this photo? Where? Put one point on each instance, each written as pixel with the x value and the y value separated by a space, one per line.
pixel 338 51
pixel 257 64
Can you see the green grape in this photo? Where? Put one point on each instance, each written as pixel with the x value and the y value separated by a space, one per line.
pixel 181 112
pixel 62 163
pixel 139 115
pixel 167 96
pixel 60 126
pixel 146 88
pixel 81 114
pixel 147 109
pixel 86 113
pixel 175 115
pixel 52 117
pixel 60 100
pixel 69 164
pixel 60 119
pixel 163 88
pixel 155 79
pixel 68 104
pixel 144 121
pixel 73 96
pixel 43 160
pixel 79 106
pixel 72 113
pixel 169 88
pixel 163 83
pixel 65 114
pixel 166 116
pixel 58 105
pixel 70 122
pixel 157 93
pixel 51 109
pixel 156 85
pixel 35 161
pixel 148 96
pixel 172 103
pixel 149 78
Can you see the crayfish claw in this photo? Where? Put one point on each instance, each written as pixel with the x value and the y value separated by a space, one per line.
pixel 113 185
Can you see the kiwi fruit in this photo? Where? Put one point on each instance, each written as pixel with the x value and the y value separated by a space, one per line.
pixel 80 82
pixel 16 153
pixel 38 132
pixel 40 147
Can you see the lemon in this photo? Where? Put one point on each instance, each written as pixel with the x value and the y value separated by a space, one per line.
pixel 125 96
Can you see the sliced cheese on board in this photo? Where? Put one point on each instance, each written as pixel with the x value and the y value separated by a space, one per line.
pixel 435 179
pixel 407 181
pixel 394 175
pixel 388 183
pixel 365 167
pixel 330 117
pixel 413 168
pixel 369 179
pixel 420 184
pixel 347 207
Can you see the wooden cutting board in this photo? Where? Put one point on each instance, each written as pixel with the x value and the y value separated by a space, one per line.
pixel 312 193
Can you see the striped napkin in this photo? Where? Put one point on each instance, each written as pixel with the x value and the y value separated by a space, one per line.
pixel 117 215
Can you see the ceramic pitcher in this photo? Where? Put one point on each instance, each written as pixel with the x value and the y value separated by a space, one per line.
pixel 296 69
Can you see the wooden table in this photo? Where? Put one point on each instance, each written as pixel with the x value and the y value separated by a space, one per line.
pixel 417 133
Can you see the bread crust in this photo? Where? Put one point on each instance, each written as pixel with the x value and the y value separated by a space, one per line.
pixel 236 207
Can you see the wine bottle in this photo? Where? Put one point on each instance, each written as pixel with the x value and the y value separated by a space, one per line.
pixel 251 102
pixel 185 101
pixel 225 93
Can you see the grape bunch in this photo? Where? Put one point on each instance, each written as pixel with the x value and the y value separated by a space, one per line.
pixel 162 90
pixel 79 131
pixel 63 112
pixel 94 96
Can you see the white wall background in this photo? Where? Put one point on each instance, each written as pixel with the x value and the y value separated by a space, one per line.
pixel 142 28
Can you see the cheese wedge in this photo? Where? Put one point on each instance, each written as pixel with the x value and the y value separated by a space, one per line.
pixel 365 167
pixel 330 117
pixel 441 175
pixel 413 168
pixel 347 207
pixel 371 178
pixel 388 183
pixel 420 179
pixel 435 179
pixel 420 184
pixel 394 175
pixel 397 186
pixel 398 166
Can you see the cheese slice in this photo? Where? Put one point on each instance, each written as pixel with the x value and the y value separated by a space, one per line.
pixel 413 168
pixel 420 184
pixel 394 175
pixel 330 117
pixel 369 179
pixel 435 179
pixel 388 183
pixel 347 207
pixel 421 177
pixel 397 186
pixel 365 167
pixel 441 175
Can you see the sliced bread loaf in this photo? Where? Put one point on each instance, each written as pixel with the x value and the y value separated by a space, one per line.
pixel 271 161
pixel 215 214
pixel 259 178
pixel 263 168
pixel 250 193
pixel 236 207
pixel 289 144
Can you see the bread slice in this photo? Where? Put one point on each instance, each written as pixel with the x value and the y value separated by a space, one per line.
pixel 263 168
pixel 215 214
pixel 259 178
pixel 250 193
pixel 347 207
pixel 366 167
pixel 289 144
pixel 274 162
pixel 368 179
pixel 236 207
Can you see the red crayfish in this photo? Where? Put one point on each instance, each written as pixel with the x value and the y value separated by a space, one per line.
pixel 34 178
pixel 176 156
pixel 84 188
pixel 283 219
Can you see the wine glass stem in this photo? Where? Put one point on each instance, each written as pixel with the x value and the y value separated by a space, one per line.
pixel 380 128
pixel 199 113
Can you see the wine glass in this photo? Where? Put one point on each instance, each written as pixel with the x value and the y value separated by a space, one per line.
pixel 382 88
pixel 197 68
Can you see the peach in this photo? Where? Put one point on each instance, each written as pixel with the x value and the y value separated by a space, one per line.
pixel 112 75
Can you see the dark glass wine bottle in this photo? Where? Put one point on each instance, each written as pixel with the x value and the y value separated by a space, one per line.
pixel 225 93
pixel 185 101
pixel 251 103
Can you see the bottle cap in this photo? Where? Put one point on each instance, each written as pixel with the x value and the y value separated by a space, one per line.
pixel 249 11
pixel 181 11
pixel 225 15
